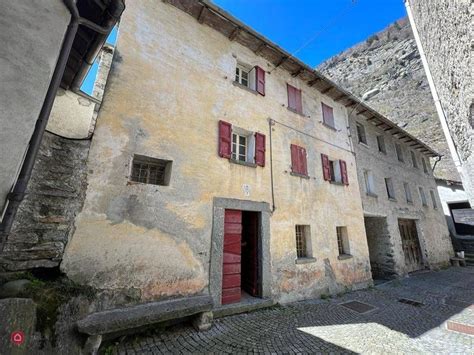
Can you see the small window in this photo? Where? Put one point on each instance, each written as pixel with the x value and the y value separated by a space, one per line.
pixel 369 182
pixel 433 199
pixel 425 166
pixel 381 144
pixel 242 75
pixel 423 196
pixel 407 192
pixel 361 134
pixel 303 241
pixel 328 115
pixel 239 147
pixel 150 170
pixel 413 159
pixel 398 148
pixel 342 241
pixel 389 187
pixel 295 102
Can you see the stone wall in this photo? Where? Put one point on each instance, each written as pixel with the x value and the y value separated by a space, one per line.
pixel 446 32
pixel 55 194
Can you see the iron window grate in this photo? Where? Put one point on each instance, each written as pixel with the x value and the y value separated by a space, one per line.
pixel 301 248
pixel 150 170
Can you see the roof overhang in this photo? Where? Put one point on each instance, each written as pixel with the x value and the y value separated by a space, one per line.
pixel 211 15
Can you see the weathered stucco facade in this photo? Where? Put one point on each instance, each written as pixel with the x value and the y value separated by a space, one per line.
pixel 445 36
pixel 172 81
pixel 377 159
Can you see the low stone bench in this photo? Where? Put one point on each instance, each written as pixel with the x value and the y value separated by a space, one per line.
pixel 125 319
pixel 455 261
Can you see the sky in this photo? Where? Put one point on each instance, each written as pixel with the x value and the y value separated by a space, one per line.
pixel 323 28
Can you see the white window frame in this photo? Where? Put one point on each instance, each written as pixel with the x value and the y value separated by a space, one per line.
pixel 335 169
pixel 369 182
pixel 251 76
pixel 249 145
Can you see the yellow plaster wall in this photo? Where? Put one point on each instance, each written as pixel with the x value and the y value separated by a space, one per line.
pixel 170 84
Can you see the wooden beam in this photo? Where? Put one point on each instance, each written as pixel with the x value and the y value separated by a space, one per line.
pixel 201 15
pixel 353 103
pixel 380 124
pixel 326 90
pixel 234 33
pixel 340 97
pixel 361 111
pixel 388 129
pixel 282 60
pixel 298 72
pixel 371 118
pixel 260 48
pixel 314 81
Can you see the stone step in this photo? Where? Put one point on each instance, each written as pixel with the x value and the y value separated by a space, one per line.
pixel 462 322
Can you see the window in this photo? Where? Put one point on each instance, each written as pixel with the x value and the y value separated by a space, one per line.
pixel 303 241
pixel 342 241
pixel 433 199
pixel 298 160
pixel 150 170
pixel 422 196
pixel 381 144
pixel 407 192
pixel 398 148
pixel 295 102
pixel 328 115
pixel 413 159
pixel 334 170
pixel 252 78
pixel 369 183
pixel 389 187
pixel 242 75
pixel 240 145
pixel 361 134
pixel 425 167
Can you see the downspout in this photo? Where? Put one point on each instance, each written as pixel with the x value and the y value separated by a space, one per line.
pixel 16 196
pixel 438 158
pixel 270 126
pixel 434 92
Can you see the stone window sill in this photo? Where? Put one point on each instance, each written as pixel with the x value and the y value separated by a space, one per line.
pixel 336 183
pixel 344 257
pixel 392 199
pixel 371 194
pixel 246 88
pixel 294 111
pixel 308 260
pixel 300 175
pixel 244 163
pixel 329 126
pixel 364 144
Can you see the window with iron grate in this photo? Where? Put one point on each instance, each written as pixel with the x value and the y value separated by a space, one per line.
pixel 148 170
pixel 342 241
pixel 303 242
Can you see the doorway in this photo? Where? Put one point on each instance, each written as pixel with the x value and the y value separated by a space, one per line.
pixel 380 248
pixel 410 244
pixel 241 260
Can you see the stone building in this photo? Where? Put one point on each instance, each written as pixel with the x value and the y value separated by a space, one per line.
pixel 443 31
pixel 403 215
pixel 231 191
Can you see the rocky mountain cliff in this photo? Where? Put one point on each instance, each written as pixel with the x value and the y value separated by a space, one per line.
pixel 389 66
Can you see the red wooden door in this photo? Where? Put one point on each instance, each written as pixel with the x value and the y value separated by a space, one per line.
pixel 231 285
pixel 250 253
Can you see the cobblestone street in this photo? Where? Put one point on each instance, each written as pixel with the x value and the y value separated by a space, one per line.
pixel 327 326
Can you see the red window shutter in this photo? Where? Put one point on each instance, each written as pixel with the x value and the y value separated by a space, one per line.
pixel 294 159
pixel 260 76
pixel 328 115
pixel 299 101
pixel 344 177
pixel 260 149
pixel 291 96
pixel 326 167
pixel 302 161
pixel 225 133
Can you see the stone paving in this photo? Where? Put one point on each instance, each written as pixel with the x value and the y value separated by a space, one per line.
pixel 324 326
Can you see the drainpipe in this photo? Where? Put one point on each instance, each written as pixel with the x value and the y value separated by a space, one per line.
pixel 270 126
pixel 19 190
pixel 434 92
pixel 438 158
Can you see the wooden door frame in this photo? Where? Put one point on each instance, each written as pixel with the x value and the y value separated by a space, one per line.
pixel 217 244
pixel 423 262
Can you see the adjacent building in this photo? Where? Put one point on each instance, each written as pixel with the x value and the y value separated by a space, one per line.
pixel 403 215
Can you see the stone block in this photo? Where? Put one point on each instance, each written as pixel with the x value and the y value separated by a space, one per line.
pixel 203 321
